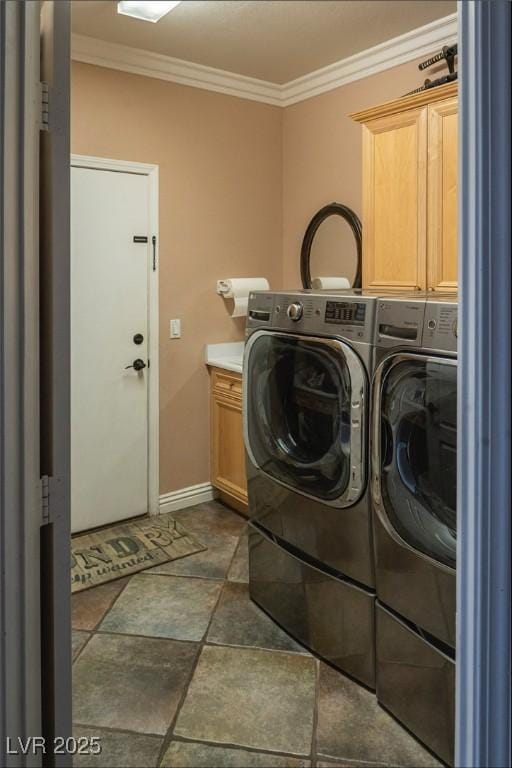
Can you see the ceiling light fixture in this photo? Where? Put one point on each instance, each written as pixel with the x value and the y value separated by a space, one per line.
pixel 146 10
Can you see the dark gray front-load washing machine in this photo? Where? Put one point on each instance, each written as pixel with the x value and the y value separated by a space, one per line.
pixel 414 457
pixel 307 369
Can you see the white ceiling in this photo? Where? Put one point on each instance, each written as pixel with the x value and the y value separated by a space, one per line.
pixel 272 40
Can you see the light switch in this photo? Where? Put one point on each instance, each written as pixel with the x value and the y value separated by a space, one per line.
pixel 175 329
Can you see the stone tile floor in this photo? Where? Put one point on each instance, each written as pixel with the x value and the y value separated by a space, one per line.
pixel 175 666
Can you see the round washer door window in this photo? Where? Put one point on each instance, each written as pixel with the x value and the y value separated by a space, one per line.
pixel 418 454
pixel 299 394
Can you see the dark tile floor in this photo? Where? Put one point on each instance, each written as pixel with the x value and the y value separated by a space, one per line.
pixel 176 667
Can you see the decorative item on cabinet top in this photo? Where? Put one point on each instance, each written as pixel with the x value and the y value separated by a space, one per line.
pixel 405 103
pixel 410 192
pixel 448 54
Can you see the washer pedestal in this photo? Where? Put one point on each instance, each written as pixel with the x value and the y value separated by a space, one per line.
pixel 416 683
pixel 332 617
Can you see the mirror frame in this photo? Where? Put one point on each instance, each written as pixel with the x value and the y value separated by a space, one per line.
pixel 332 209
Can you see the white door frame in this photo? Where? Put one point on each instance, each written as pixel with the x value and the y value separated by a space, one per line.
pixel 151 171
pixel 483 705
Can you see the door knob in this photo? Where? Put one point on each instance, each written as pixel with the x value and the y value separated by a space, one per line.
pixel 137 364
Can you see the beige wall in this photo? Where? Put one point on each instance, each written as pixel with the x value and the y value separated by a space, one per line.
pixel 239 182
pixel 220 162
pixel 322 155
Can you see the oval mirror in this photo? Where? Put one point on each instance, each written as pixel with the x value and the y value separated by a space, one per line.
pixel 331 249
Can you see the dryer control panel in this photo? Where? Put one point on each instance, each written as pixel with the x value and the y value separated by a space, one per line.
pixel 440 328
pixel 399 321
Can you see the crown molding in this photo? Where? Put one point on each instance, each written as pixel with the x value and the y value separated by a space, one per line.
pixel 399 50
pixel 91 50
pixel 412 45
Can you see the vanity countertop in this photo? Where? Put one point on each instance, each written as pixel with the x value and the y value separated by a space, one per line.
pixel 228 356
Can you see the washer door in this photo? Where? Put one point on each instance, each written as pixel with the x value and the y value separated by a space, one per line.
pixel 304 414
pixel 416 452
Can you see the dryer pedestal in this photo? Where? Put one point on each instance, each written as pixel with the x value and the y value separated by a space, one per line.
pixel 332 617
pixel 416 683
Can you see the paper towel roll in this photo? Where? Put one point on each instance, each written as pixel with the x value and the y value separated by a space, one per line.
pixel 232 287
pixel 238 289
pixel 240 306
pixel 336 283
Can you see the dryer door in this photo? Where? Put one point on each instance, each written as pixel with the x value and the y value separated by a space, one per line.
pixel 415 452
pixel 304 414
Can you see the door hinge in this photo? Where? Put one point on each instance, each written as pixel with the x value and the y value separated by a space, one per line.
pixel 44 122
pixel 45 500
pixel 153 241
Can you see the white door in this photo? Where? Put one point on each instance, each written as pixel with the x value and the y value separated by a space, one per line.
pixel 109 314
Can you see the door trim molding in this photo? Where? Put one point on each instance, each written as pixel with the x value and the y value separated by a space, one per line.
pixel 483 706
pixel 186 497
pixel 151 171
pixel 23 659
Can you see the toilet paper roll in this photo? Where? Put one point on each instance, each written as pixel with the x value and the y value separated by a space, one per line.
pixel 238 289
pixel 323 283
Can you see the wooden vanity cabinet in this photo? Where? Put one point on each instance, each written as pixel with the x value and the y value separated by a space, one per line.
pixel 410 192
pixel 226 438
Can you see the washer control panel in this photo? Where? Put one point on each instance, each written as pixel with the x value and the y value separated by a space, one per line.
pixel 341 315
pixel 345 312
pixel 440 329
pixel 295 311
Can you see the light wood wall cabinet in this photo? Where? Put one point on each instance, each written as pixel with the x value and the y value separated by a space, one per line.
pixel 442 195
pixel 227 440
pixel 410 192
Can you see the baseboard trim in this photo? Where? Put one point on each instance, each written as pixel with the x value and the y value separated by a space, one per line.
pixel 186 497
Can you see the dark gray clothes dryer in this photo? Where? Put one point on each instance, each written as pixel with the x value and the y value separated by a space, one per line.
pixel 414 468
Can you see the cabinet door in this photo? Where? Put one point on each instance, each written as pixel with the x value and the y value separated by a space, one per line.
pixel 395 201
pixel 442 196
pixel 228 454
